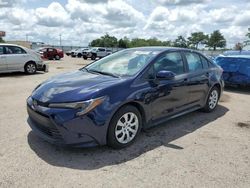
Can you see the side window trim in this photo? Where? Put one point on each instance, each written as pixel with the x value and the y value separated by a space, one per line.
pixel 164 54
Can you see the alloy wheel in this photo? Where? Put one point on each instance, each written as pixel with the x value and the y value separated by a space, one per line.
pixel 126 128
pixel 31 68
pixel 213 99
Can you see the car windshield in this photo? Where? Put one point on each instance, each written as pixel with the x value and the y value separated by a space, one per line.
pixel 123 63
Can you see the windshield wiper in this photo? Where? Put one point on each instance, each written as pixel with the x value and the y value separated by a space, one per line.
pixel 84 68
pixel 104 73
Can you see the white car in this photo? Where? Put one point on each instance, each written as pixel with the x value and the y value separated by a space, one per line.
pixel 14 58
pixel 94 53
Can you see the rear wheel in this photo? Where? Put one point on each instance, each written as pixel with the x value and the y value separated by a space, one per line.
pixel 30 68
pixel 85 57
pixel 212 100
pixel 57 57
pixel 93 57
pixel 124 127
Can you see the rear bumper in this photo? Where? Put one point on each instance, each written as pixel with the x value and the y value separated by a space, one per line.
pixel 78 132
pixel 43 67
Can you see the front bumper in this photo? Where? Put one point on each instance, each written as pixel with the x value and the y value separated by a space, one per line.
pixel 77 132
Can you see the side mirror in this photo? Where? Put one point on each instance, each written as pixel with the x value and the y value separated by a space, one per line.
pixel 165 75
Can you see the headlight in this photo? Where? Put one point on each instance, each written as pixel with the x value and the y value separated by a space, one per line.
pixel 84 106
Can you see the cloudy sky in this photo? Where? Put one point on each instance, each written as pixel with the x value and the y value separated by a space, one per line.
pixel 80 21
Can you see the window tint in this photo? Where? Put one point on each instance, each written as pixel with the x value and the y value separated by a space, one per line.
pixel 171 62
pixel 101 49
pixel 1 50
pixel 194 61
pixel 14 50
pixel 204 62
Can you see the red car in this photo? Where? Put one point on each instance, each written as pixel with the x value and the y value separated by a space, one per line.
pixel 51 53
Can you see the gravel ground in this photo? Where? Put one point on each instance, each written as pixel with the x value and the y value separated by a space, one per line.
pixel 195 150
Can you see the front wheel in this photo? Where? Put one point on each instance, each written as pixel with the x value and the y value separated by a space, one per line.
pixel 30 68
pixel 212 100
pixel 124 127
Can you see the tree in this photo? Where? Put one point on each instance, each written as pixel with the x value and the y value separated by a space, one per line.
pixel 216 39
pixel 1 40
pixel 180 42
pixel 247 42
pixel 105 41
pixel 248 34
pixel 238 46
pixel 123 43
pixel 197 38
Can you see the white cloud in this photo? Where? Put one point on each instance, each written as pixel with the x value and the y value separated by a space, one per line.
pixel 53 16
pixel 80 21
pixel 181 2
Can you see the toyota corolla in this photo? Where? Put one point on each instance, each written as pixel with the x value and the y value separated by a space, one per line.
pixel 111 100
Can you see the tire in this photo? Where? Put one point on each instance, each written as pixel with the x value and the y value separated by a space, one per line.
pixel 30 68
pixel 85 57
pixel 212 100
pixel 93 57
pixel 79 55
pixel 57 57
pixel 122 133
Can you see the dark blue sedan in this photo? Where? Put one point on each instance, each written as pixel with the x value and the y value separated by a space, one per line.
pixel 112 99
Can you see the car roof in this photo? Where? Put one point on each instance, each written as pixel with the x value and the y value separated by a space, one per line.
pixel 7 44
pixel 161 49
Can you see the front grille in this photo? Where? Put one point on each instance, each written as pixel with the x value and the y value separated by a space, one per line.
pixel 43 123
pixel 52 132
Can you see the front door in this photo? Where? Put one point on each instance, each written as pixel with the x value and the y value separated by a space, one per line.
pixel 170 96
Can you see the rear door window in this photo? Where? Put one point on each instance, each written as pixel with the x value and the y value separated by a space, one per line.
pixel 194 61
pixel 204 62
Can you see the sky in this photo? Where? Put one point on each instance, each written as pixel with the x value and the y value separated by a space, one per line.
pixel 80 21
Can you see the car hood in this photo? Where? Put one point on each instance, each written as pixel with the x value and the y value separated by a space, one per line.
pixel 73 86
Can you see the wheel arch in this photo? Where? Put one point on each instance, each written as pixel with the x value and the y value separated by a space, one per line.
pixel 31 61
pixel 137 105
pixel 219 87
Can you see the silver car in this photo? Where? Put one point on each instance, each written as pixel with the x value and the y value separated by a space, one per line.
pixel 14 58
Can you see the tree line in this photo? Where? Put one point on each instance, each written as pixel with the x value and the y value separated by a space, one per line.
pixel 214 40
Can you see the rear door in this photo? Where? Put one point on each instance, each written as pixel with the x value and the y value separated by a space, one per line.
pixel 101 52
pixel 3 64
pixel 16 57
pixel 50 53
pixel 198 79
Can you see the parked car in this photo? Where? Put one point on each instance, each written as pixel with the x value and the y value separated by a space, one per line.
pixel 14 58
pixel 68 53
pixel 51 53
pixel 78 52
pixel 236 70
pixel 94 53
pixel 237 53
pixel 111 100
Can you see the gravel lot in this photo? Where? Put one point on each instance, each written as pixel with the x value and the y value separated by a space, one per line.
pixel 196 150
